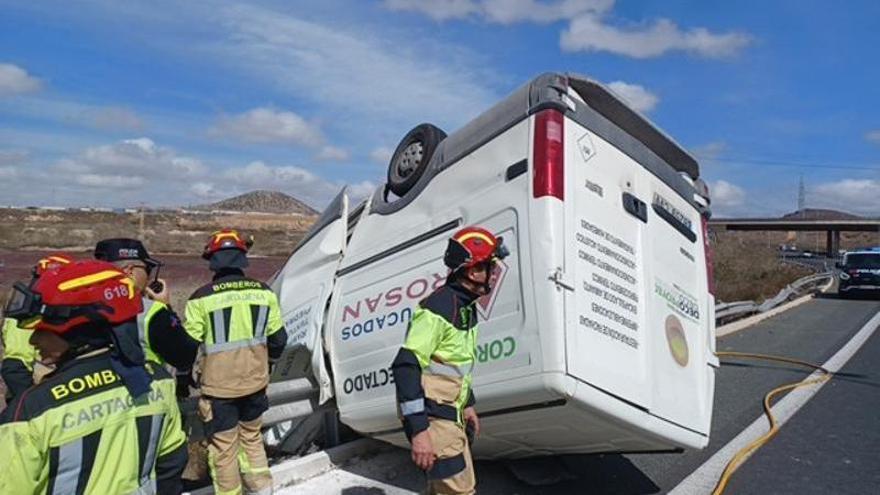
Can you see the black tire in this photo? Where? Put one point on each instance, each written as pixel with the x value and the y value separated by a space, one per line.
pixel 412 156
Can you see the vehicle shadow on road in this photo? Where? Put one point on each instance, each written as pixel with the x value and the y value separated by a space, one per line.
pixel 596 474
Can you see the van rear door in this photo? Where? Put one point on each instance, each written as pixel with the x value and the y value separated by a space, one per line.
pixel 679 319
pixel 637 317
pixel 313 265
pixel 606 342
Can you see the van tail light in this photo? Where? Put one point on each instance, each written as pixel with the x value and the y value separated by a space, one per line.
pixel 709 254
pixel 548 160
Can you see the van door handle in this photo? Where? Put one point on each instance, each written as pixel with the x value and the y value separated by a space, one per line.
pixel 635 206
pixel 558 277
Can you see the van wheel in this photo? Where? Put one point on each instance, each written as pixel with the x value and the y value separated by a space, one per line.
pixel 412 156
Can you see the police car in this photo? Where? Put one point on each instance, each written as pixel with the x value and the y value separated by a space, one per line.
pixel 599 335
pixel 859 273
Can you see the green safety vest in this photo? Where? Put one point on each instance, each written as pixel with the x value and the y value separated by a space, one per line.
pixel 80 431
pixel 151 307
pixel 16 344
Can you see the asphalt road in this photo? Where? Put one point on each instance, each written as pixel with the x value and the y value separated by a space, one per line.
pixel 832 445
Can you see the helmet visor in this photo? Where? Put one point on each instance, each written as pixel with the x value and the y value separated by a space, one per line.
pixel 23 304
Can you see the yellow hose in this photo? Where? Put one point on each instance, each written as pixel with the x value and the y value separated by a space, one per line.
pixel 749 449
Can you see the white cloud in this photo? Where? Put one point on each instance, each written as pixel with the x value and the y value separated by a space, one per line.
pixel 501 11
pixel 258 175
pixel 134 171
pixel 204 190
pixel 361 190
pixel 108 181
pixel 266 125
pixel 8 172
pixel 381 155
pixel 15 80
pixel 332 153
pixel 709 151
pixel 873 136
pixel 590 34
pixel 588 28
pixel 296 181
pixel 355 72
pixel 13 157
pixel 439 10
pixel 635 95
pixel 726 195
pixel 512 11
pixel 859 196
pixel 112 118
pixel 133 158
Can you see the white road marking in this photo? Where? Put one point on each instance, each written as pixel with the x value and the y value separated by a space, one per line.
pixel 703 480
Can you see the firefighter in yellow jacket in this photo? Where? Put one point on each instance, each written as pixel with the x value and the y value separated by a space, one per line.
pixel 432 371
pixel 237 320
pixel 103 422
pixel 19 356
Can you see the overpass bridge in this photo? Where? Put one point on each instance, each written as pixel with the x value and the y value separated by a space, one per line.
pixel 832 228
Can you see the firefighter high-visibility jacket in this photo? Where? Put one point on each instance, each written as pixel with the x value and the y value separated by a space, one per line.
pixel 432 371
pixel 162 335
pixel 238 321
pixel 80 431
pixel 19 356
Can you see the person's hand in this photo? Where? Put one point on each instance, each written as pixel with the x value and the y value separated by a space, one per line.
pixel 423 450
pixel 470 416
pixel 183 382
pixel 163 296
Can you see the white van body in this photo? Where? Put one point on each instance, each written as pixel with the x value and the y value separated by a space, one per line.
pixel 599 335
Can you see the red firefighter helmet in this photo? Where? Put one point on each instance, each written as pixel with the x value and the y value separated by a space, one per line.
pixel 226 239
pixel 51 262
pixel 74 294
pixel 473 245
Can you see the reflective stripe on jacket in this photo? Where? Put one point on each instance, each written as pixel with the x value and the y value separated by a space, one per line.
pixel 233 317
pixel 80 431
pixel 433 370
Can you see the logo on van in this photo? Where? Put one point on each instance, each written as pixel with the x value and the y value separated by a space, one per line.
pixel 678 345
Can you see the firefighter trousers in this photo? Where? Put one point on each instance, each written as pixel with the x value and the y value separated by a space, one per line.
pixel 453 471
pixel 236 456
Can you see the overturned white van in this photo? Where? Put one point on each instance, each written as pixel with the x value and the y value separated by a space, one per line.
pixel 599 335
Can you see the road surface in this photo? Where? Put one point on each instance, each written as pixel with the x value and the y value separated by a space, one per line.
pixel 831 445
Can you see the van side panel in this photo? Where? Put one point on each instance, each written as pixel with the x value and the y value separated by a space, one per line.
pixel 375 302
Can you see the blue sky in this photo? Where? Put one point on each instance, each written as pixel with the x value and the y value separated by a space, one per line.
pixel 171 103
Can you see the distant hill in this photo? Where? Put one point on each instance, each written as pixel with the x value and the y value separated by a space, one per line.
pixel 820 214
pixel 262 201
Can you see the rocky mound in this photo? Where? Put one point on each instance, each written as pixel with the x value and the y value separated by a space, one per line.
pixel 264 202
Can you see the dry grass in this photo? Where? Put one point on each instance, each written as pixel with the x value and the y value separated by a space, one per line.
pixel 748 268
pixel 163 232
